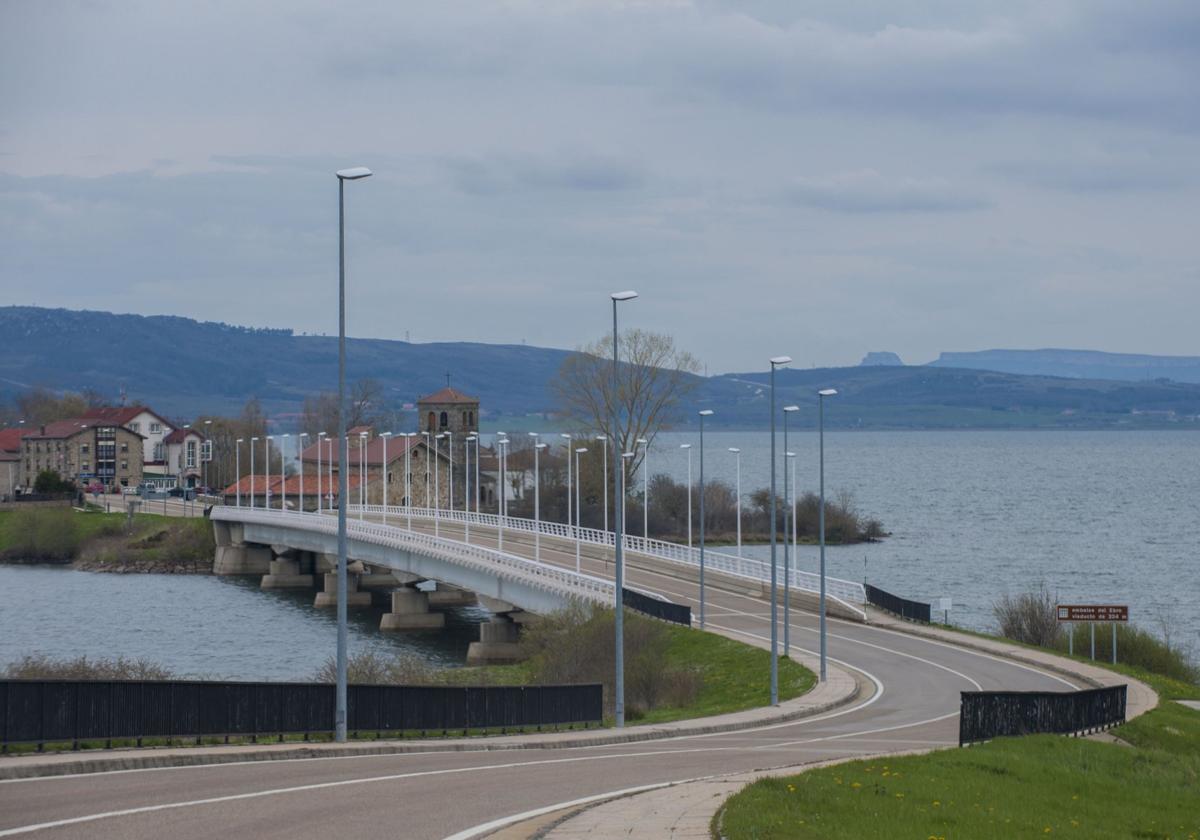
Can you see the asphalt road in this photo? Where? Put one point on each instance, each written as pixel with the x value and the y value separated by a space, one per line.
pixel 911 702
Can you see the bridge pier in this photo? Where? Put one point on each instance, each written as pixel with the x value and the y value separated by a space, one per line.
pixel 497 643
pixel 410 611
pixel 288 572
pixel 354 598
pixel 450 596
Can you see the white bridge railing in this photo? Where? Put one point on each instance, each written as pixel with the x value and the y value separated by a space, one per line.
pixel 848 592
pixel 542 576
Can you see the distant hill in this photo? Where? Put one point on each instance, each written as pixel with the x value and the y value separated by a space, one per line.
pixel 1079 364
pixel 184 367
pixel 880 357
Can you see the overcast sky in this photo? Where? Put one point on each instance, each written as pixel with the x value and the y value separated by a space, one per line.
pixel 819 179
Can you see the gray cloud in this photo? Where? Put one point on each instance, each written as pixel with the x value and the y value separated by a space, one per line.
pixel 867 191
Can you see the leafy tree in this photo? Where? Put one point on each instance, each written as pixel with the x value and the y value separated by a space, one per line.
pixel 49 481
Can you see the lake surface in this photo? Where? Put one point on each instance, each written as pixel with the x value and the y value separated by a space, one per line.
pixel 1109 517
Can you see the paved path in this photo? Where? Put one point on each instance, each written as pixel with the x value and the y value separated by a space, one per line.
pixel 910 703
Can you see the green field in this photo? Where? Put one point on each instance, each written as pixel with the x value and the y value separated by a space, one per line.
pixel 1040 786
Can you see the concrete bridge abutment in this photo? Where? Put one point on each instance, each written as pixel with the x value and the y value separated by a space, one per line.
pixel 354 598
pixel 410 611
pixel 498 643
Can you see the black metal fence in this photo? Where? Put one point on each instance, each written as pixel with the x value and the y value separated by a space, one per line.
pixel 42 711
pixel 912 610
pixel 992 714
pixel 667 611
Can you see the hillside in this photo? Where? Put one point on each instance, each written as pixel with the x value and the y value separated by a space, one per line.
pixel 184 367
pixel 1082 364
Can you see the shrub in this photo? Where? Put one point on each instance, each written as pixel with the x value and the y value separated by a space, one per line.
pixel 50 482
pixel 41 667
pixel 1137 647
pixel 44 533
pixel 1029 618
pixel 370 668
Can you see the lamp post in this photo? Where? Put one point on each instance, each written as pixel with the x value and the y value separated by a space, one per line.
pixel 578 517
pixel 619 564
pixel 283 471
pixel 320 445
pixel 428 445
pixel 738 457
pixel 645 489
pixel 300 447
pixel 501 443
pixel 537 503
pixel 791 503
pixel 363 475
pixel 253 441
pixel 343 175
pixel 329 473
pixel 386 474
pixel 604 460
pixel 237 468
pixel 450 473
pixel 707 412
pixel 467 441
pixel 570 441
pixel 827 392
pixel 437 484
pixel 778 361
pixel 787 557
pixel 478 486
pixel 207 440
pixel 688 448
pixel 408 444
pixel 267 479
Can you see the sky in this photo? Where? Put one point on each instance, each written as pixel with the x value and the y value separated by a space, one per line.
pixel 816 179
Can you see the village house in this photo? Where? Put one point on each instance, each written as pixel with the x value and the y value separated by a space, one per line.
pixel 83 450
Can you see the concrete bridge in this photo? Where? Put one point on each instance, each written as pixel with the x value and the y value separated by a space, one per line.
pixel 511 566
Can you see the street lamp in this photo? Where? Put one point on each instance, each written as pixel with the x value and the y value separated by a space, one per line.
pixel 428 444
pixel 787 557
pixel 320 444
pixel 537 504
pixel 283 472
pixel 467 441
pixel 827 392
pixel 570 441
pixel 688 448
pixel 707 412
pixel 237 468
pixel 604 460
pixel 363 475
pixel 627 457
pixel 386 474
pixel 450 472
pixel 645 489
pixel 437 484
pixel 578 517
pixel 267 479
pixel 300 446
pixel 778 361
pixel 619 564
pixel 408 445
pixel 501 507
pixel 208 440
pixel 791 503
pixel 738 458
pixel 343 175
pixel 329 473
pixel 253 441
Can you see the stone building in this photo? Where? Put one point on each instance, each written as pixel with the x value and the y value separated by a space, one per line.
pixel 83 450
pixel 144 421
pixel 366 459
pixel 450 411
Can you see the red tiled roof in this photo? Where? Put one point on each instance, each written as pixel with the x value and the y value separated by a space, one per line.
pixel 291 486
pixel 180 435
pixel 372 452
pixel 448 395
pixel 62 429
pixel 121 414
pixel 10 439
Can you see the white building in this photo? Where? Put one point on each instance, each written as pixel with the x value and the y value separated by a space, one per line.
pixel 186 452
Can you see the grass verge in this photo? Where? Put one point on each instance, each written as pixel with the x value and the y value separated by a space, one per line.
pixel 1039 786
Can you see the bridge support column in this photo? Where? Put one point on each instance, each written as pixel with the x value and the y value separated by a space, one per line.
pixel 410 611
pixel 497 643
pixel 286 573
pixel 242 560
pixel 449 596
pixel 354 598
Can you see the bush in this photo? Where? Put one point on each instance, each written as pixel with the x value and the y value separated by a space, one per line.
pixel 44 533
pixel 1029 618
pixel 40 667
pixel 370 668
pixel 50 482
pixel 578 645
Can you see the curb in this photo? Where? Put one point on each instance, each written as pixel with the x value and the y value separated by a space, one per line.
pixel 141 760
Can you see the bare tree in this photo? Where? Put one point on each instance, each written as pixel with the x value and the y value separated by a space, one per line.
pixel 365 408
pixel 39 406
pixel 653 379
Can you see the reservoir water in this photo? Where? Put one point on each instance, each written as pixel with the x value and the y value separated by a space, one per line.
pixel 1106 517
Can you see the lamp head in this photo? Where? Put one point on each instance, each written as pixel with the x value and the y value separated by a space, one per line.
pixel 734 450
pixel 628 454
pixel 685 446
pixel 540 446
pixel 791 408
pixel 791 454
pixel 533 435
pixel 781 360
pixel 706 412
pixel 643 441
pixel 354 173
pixel 828 392
pixel 627 295
pixel 580 451
pixel 601 437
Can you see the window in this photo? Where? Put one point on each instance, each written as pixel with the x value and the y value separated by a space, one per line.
pixel 124 466
pixel 124 447
pixel 85 466
pixel 471 418
pixel 432 421
pixel 155 428
pixel 464 418
pixel 191 454
pixel 158 452
pixel 135 427
pixel 83 449
pixel 445 419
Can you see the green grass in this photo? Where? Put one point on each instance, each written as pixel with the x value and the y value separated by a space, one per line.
pixel 62 534
pixel 1041 786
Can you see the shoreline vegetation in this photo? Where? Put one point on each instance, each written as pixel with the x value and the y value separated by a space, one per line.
pixel 106 542
pixel 1144 784
pixel 672 672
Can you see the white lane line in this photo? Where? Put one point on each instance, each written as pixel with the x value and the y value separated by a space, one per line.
pixel 846 735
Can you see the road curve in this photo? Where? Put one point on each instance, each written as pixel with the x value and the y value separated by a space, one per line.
pixel 439 794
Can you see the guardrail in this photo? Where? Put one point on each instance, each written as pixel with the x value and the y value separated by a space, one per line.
pixel 60 711
pixel 991 714
pixel 656 608
pixel 540 575
pixel 903 607
pixel 846 591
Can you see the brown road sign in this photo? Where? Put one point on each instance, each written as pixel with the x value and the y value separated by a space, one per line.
pixel 1092 612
